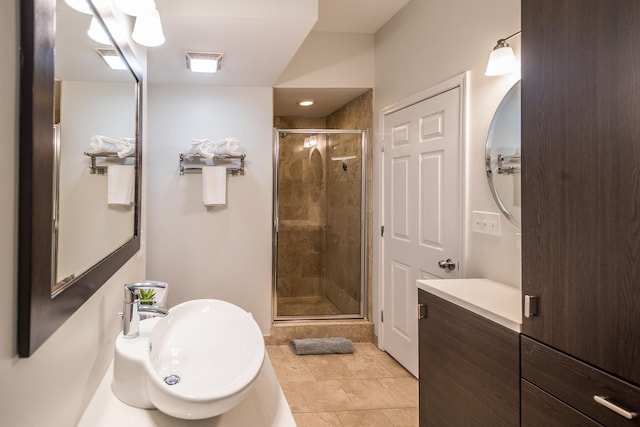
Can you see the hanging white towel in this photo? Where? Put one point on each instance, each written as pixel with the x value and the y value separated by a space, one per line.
pixel 120 184
pixel 214 185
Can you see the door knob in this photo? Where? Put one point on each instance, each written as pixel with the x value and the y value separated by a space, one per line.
pixel 447 264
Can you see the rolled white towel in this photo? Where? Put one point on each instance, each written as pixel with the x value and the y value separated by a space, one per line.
pixel 230 146
pixel 203 147
pixel 102 144
pixel 126 147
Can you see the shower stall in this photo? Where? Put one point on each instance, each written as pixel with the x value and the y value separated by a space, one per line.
pixel 319 206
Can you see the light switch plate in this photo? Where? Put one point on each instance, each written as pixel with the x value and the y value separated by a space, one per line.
pixel 486 223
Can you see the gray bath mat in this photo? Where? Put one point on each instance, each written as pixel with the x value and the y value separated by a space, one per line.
pixel 331 345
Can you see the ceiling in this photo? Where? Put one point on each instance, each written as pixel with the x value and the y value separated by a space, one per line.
pixel 285 100
pixel 258 38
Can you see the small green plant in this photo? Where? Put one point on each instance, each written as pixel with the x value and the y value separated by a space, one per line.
pixel 147 296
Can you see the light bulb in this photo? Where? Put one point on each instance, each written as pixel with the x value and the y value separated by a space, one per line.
pixel 501 60
pixel 147 30
pixel 97 32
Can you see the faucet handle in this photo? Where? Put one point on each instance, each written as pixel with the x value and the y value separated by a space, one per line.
pixel 131 287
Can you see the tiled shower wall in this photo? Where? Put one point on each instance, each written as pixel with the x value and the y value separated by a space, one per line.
pixel 320 208
pixel 344 201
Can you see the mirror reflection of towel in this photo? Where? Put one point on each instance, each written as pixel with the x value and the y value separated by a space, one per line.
pixel 120 184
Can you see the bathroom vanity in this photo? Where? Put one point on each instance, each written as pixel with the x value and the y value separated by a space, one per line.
pixel 469 353
pixel 264 405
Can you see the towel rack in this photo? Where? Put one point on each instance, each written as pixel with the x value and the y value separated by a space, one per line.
pixel 102 170
pixel 508 164
pixel 186 158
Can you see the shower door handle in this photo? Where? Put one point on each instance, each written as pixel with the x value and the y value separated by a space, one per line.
pixel 276 225
pixel 447 264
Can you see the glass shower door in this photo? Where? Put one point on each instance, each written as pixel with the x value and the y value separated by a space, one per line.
pixel 319 227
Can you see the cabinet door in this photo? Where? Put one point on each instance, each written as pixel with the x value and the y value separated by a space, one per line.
pixel 581 178
pixel 542 409
pixel 469 368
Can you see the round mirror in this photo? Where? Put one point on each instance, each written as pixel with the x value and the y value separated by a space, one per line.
pixel 503 155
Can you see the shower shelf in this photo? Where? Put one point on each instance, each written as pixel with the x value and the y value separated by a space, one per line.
pixel 192 158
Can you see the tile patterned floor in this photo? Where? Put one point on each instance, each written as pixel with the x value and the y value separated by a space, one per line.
pixel 365 389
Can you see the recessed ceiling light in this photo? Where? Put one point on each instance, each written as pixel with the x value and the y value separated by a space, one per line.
pixel 202 62
pixel 113 60
pixel 306 102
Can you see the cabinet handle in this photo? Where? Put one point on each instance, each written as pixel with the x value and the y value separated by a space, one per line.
pixel 604 401
pixel 530 306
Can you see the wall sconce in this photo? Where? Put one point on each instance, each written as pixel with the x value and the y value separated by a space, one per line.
pixel 202 62
pixel 147 30
pixel 502 60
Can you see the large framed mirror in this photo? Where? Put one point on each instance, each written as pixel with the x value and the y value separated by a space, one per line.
pixel 72 235
pixel 502 156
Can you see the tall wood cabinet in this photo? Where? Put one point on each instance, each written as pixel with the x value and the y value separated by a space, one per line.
pixel 581 200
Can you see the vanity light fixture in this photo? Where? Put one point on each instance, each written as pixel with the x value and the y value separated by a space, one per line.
pixel 147 30
pixel 306 102
pixel 203 62
pixel 113 60
pixel 502 60
pixel 97 33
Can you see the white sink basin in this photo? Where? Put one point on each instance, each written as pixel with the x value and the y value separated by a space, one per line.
pixel 197 362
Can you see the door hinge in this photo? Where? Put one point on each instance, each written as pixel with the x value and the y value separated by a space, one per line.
pixel 422 311
pixel 382 230
pixel 530 306
pixel 382 148
pixel 382 315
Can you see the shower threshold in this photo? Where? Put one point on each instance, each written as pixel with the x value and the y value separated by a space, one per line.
pixel 309 308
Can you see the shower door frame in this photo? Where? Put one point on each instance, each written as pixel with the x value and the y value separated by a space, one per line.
pixel 363 226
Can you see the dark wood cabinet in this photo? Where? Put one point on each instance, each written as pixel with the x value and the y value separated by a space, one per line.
pixel 581 178
pixel 542 409
pixel 469 368
pixel 581 198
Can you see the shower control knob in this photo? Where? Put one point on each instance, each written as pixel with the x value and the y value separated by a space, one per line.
pixel 447 264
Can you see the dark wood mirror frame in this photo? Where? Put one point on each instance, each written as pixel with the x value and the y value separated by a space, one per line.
pixel 39 315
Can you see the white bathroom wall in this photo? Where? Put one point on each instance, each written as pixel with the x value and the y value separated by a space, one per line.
pixel 332 60
pixel 427 42
pixel 54 385
pixel 215 252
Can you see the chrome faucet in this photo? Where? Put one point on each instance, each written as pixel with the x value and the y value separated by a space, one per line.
pixel 132 307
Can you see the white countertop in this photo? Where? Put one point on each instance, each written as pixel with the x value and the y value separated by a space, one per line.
pixel 492 300
pixel 264 405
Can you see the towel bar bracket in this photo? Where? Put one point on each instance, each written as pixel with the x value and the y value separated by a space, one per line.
pixel 186 158
pixel 95 169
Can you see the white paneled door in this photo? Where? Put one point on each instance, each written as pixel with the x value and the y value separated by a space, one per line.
pixel 422 212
